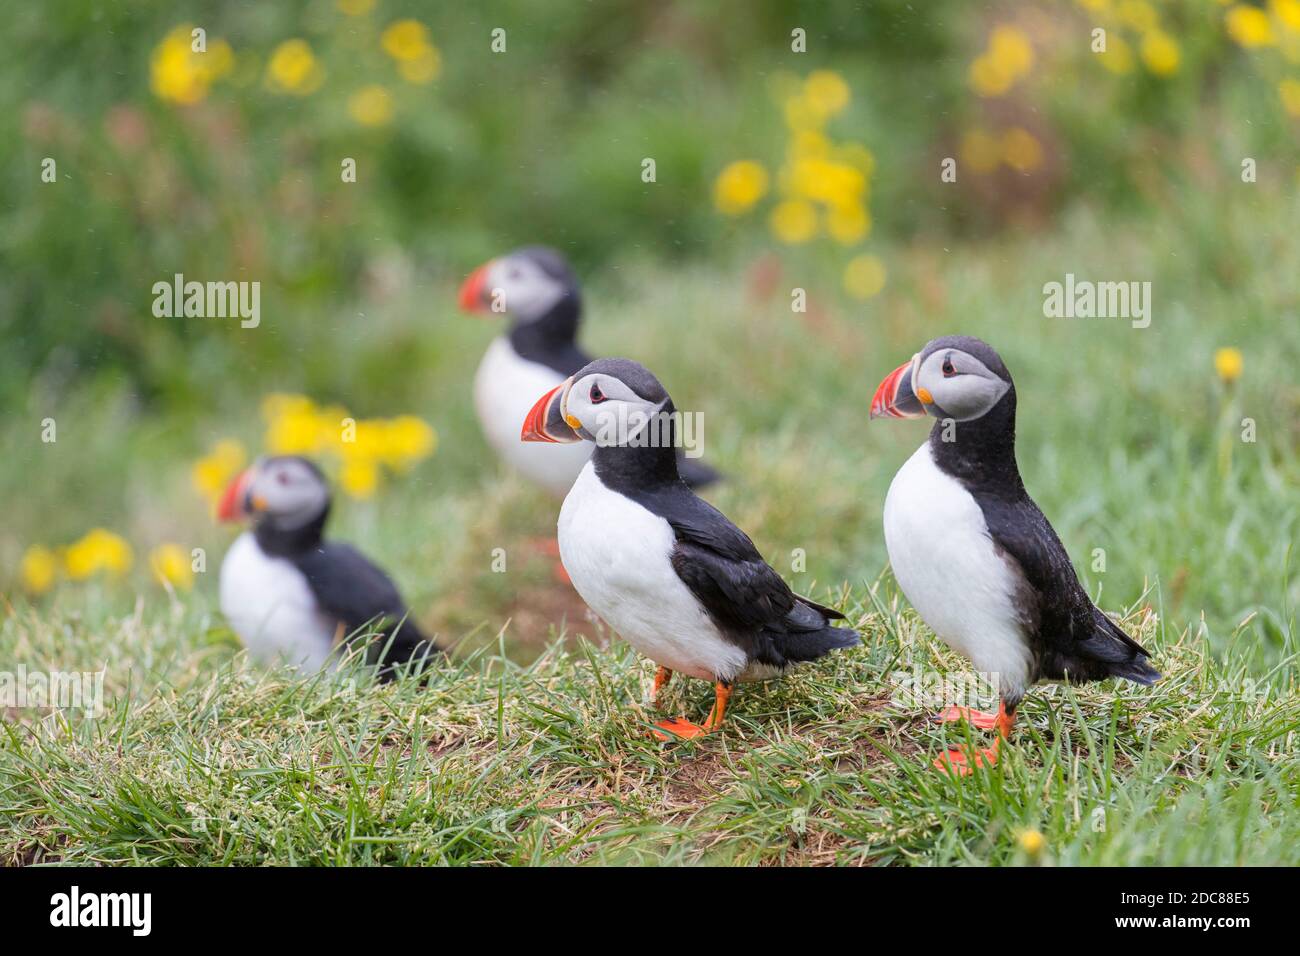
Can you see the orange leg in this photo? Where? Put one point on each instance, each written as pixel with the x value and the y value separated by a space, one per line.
pixel 662 676
pixel 680 727
pixel 962 761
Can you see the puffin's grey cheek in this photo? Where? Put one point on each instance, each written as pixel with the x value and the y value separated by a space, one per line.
pixel 976 397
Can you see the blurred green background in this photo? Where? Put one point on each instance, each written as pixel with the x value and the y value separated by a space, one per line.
pixel 774 169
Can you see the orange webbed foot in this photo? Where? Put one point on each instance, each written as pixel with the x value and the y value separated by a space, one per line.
pixel 677 728
pixel 962 762
pixel 976 718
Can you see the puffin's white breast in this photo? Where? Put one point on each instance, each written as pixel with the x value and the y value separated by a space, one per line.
pixel 506 387
pixel 270 606
pixel 617 554
pixel 944 560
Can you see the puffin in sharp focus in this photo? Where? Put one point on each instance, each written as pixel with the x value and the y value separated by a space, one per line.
pixel 974 554
pixel 663 567
pixel 538 293
pixel 292 596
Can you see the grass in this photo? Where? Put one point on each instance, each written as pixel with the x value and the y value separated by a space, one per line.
pixel 529 746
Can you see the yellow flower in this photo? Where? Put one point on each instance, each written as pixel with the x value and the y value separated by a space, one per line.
pixel 800 114
pixel 293 426
pixel 359 478
pixel 1138 14
pixel 1118 57
pixel 294 69
pixel 739 186
pixel 980 151
pixel 1160 53
pixel 37 569
pixel 848 223
pixel 423 69
pixel 405 40
pixel 1287 13
pixel 406 440
pixel 356 8
pixel 825 92
pixel 989 78
pixel 1289 90
pixel 98 550
pixel 809 144
pixel 1249 26
pixel 864 276
pixel 1031 841
pixel 1228 363
pixel 178 74
pixel 213 471
pixel 171 565
pixel 1021 151
pixel 794 221
pixel 1011 50
pixel 371 106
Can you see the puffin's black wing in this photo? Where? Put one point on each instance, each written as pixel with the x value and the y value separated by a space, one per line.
pixel 350 587
pixel 1072 636
pixel 695 472
pixel 745 598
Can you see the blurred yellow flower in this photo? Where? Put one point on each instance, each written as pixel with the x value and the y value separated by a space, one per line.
pixel 1160 53
pixel 37 569
pixel 794 221
pixel 294 69
pixel 98 550
pixel 739 186
pixel 1011 50
pixel 371 106
pixel 825 92
pixel 1031 841
pixel 1287 13
pixel 1138 14
pixel 211 473
pixel 1118 57
pixel 406 440
pixel 1021 151
pixel 1289 91
pixel 171 565
pixel 1249 26
pixel 989 78
pixel 848 223
pixel 405 40
pixel 356 8
pixel 864 276
pixel 800 115
pixel 359 478
pixel 178 74
pixel 423 69
pixel 1228 363
pixel 980 151
pixel 1008 58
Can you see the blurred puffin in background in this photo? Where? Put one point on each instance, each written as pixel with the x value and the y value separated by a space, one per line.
pixel 538 293
pixel 293 597
pixel 974 554
pixel 663 567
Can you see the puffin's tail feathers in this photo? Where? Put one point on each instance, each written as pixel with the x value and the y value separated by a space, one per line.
pixel 809 634
pixel 1120 654
pixel 407 645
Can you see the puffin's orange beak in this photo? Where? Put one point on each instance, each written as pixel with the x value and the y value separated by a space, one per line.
pixel 894 397
pixel 546 421
pixel 473 291
pixel 232 506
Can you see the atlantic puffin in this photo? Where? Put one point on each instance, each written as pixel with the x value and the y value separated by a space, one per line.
pixel 292 596
pixel 974 554
pixel 663 567
pixel 537 292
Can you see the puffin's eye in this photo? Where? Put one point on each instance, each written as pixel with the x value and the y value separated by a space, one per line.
pixel 282 477
pixel 948 370
pixel 596 395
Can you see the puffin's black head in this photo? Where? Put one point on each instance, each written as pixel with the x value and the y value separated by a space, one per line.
pixel 955 377
pixel 526 285
pixel 609 401
pixel 284 493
